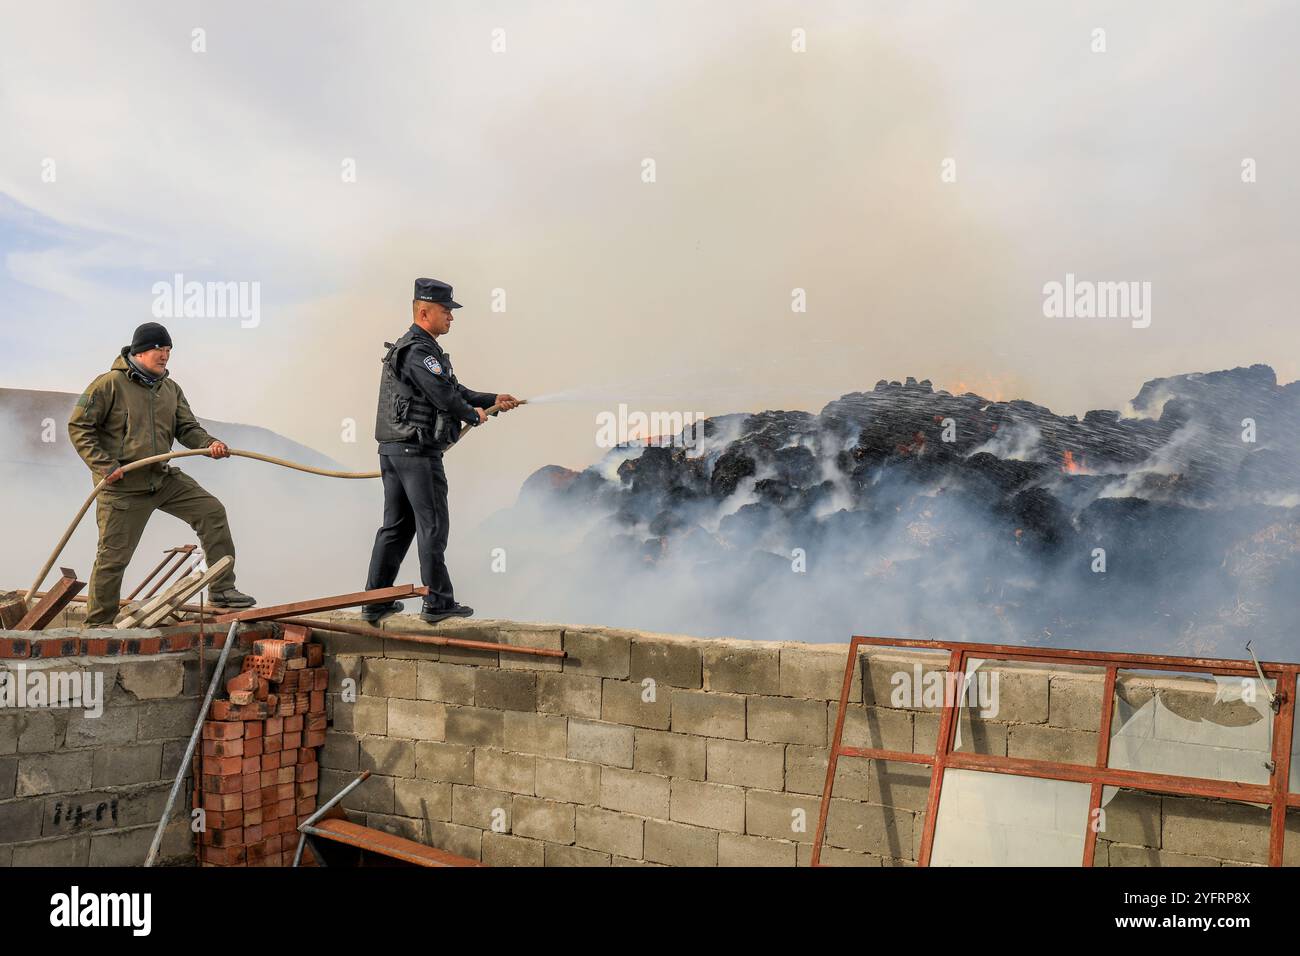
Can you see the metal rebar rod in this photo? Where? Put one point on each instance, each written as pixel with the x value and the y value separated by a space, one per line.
pixel 194 739
pixel 167 556
pixel 180 560
pixel 322 810
pixel 362 630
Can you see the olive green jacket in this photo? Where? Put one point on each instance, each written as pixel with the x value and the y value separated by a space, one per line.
pixel 119 419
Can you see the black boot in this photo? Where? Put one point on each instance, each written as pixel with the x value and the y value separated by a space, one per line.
pixel 374 613
pixel 432 615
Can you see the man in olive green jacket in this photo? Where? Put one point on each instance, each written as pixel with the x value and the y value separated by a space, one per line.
pixel 135 411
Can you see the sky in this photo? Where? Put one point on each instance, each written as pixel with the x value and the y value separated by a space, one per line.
pixel 503 146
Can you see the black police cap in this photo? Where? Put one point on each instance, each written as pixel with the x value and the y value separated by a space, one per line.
pixel 431 290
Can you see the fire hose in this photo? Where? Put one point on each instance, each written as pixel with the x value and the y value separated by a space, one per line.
pixel 234 453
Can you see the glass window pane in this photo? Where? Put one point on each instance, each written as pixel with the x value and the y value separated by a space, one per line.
pixel 997 819
pixel 1152 829
pixel 1192 725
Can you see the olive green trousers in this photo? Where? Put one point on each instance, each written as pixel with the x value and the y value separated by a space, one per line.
pixel 122 519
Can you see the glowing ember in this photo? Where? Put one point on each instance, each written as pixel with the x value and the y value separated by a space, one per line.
pixel 1070 465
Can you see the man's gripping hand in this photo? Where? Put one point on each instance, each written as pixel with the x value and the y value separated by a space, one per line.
pixel 219 449
pixel 507 402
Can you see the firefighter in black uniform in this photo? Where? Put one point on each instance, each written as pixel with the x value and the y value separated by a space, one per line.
pixel 422 409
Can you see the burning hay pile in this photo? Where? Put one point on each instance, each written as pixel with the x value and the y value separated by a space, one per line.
pixel 906 510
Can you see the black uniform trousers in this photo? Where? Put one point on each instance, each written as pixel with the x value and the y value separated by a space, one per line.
pixel 415 506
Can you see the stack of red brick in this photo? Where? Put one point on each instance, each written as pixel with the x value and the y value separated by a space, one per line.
pixel 259 774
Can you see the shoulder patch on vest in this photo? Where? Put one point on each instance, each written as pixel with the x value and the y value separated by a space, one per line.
pixel 432 365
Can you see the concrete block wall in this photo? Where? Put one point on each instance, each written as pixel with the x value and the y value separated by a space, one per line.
pixel 77 790
pixel 643 749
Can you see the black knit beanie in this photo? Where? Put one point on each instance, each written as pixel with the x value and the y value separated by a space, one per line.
pixel 151 335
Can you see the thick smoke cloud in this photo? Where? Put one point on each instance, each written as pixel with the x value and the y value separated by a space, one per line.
pixel 862 519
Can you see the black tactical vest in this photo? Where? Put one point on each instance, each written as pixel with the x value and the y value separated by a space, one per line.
pixel 404 414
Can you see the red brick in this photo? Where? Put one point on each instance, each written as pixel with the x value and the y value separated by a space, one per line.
pixel 223 819
pixel 14 648
pixel 221 710
pixel 297 664
pixel 224 766
pixel 314 738
pixel 217 783
pixel 288 758
pixel 252 833
pixel 223 801
pixel 292 741
pixel 307 771
pixel 222 855
pixel 294 723
pixel 307 788
pixel 256 854
pixel 274 726
pixel 271 761
pixel 268 794
pixel 251 782
pixel 254 711
pixel 296 633
pixel 54 647
pixel 252 763
pixel 273 744
pixel 306 755
pixel 224 748
pixel 315 722
pixel 222 730
pixel 277 649
pixel 253 728
pixel 252 817
pixel 231 837
pixel 253 800
pixel 141 645
pixel 315 654
pixel 284 775
pixel 306 805
pixel 178 642
pixel 316 702
pixel 268 668
pixel 253 748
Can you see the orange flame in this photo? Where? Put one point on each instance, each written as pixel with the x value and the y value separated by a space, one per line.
pixel 1071 466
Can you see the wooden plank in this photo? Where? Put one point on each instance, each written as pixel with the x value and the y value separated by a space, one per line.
pixel 55 600
pixel 386 844
pixel 157 609
pixel 381 596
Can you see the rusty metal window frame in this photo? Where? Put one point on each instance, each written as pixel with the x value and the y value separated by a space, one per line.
pixel 1275 794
